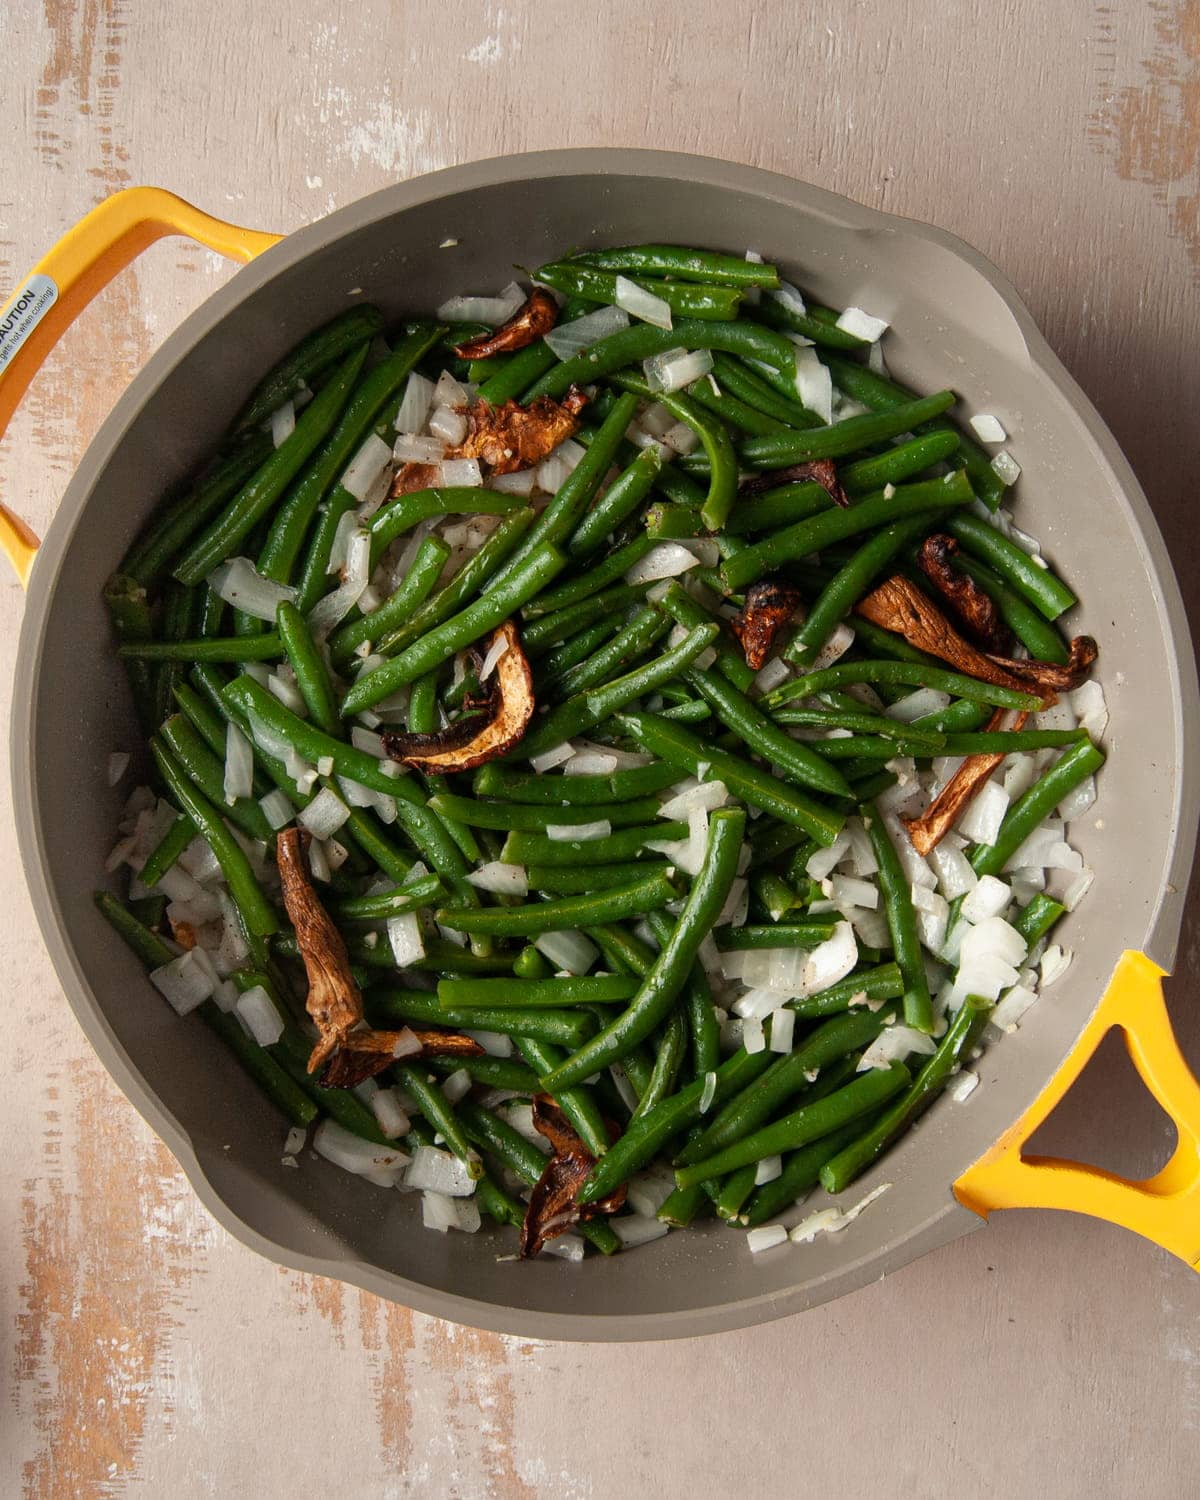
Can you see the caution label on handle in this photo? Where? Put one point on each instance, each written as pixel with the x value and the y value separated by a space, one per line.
pixel 23 313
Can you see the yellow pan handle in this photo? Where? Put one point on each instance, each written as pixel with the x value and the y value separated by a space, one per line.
pixel 1164 1208
pixel 62 284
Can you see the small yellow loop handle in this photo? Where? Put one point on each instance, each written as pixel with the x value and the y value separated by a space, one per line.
pixel 62 284
pixel 1164 1208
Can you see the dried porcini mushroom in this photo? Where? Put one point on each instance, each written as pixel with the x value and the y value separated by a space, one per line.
pixel 973 608
pixel 822 471
pixel 535 318
pixel 351 1051
pixel 770 604
pixel 552 1207
pixel 511 437
pixel 1049 677
pixel 927 831
pixel 474 741
pixel 412 477
pixel 899 605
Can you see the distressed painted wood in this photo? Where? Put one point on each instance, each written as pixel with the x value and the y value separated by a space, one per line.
pixel 145 1353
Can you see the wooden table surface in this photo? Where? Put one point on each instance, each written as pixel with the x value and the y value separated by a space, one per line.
pixel 145 1352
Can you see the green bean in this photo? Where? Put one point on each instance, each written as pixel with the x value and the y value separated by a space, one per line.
pixel 1042 588
pixel 668 1059
pixel 819 324
pixel 439 1112
pixel 460 630
pixel 1037 803
pixel 169 530
pixel 539 635
pixel 208 774
pixel 629 346
pixel 495 1072
pixel 681 264
pixel 556 663
pixel 539 849
pixel 619 501
pixel 238 648
pixel 732 410
pixel 573 989
pixel 733 1192
pixel 597 577
pixel 882 394
pixel 533 819
pixel 740 380
pixel 930 498
pixel 801 1171
pixel 467 582
pixel 530 964
pixel 634 900
pixel 564 1028
pixel 342 335
pixel 808 1123
pixel 152 950
pixel 418 583
pixel 562 791
pixel 256 911
pixel 1036 634
pixel 380 905
pixel 850 435
pixel 848 586
pixel 403 513
pixel 579 880
pixel 594 285
pixel 806 934
pixel 684 610
pixel 634 638
pixel 128 607
pixel 862 722
pixel 672 965
pixel 1011 742
pixel 315 574
pixel 168 849
pixel 885 982
pixel 790 757
pixel 312 675
pixel 782 506
pixel 915 673
pixel 902 922
pixel 852 1160
pixel 744 779
pixel 697 1005
pixel 578 1104
pixel 1036 919
pixel 787 1075
pixel 291 1052
pixel 253 501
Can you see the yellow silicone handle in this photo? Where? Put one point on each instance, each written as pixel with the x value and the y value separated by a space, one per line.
pixel 63 283
pixel 1164 1208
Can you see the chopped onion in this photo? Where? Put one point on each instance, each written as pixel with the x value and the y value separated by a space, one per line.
pixel 492 310
pixel 915 705
pixel 412 448
pixel 707 796
pixel 282 686
pixel 239 765
pixel 590 763
pixel 569 339
pixel 814 384
pixel 494 1043
pixel 1078 800
pixel 568 950
pixel 391 1118
pixel 404 935
pixel 665 560
pixel 768 1169
pixel 861 325
pixel 982 819
pixel 566 1247
pixel 680 437
pixel 893 1044
pixel 438 1212
pixel 494 652
pixel 754 1038
pixel 555 756
pixel 1055 963
pixel 674 369
pixel 283 423
pixel 1007 1014
pixel 1087 702
pixel 333 608
pixel 833 1220
pixel 350 1152
pixel 788 296
pixel 366 466
pixel 634 1230
pixel 962 1085
pixel 837 643
pixel 570 833
pixel 461 472
pixel 551 473
pixel 260 1014
pixel 988 899
pixel 448 392
pixel 765 1237
pixel 449 424
pixel 325 814
pixel 772 674
pixel 845 890
pixel 277 809
pixel 439 1172
pixel 295 1140
pixel 988 428
pixel 240 583
pixel 414 409
pixel 640 303
pixel 118 763
pixel 520 483
pixel 1006 468
pixel 953 869
pixel 503 879
pixel 1078 888
pixel 457 1085
pixel 649 1190
pixel 823 861
pixel 185 982
pixel 783 1030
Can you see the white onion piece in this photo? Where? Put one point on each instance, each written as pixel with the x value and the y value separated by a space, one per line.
pixel 894 1044
pixel 551 473
pixel 953 869
pixel 861 860
pixel 870 927
pixel 277 809
pixel 572 833
pixel 240 583
pixel 199 861
pixel 449 424
pixel 283 423
pixel 987 428
pixel 494 652
pixel 317 861
pixel 366 466
pixel 754 1037
pixel 656 419
pixel 707 796
pixel 590 763
pixel 923 701
pixel 568 950
pixel 439 1172
pixel 457 1085
pixel 665 560
pixel 765 1237
pixel 118 763
pixel 1007 1014
pixel 438 1212
pixel 391 1118
pixel 639 303
pixel 634 1230
pixel 414 408
pixel 962 1085
pixel 404 936
pixel 260 1014
pixel 988 899
pixel 494 1043
pixel 833 1220
pixel 814 384
pixel 783 1030
pixel 680 437
pixel 845 890
pixel 460 472
pixel 831 960
pixel 520 483
pixel 767 1170
pixel 824 861
pixel 493 310
pixel 984 814
pixel 837 643
pixel 325 814
pixel 368 740
pixel 772 674
pixel 1006 468
pixel 503 879
pixel 861 325
pixel 674 369
pixel 412 448
pixel 282 686
pixel 1055 963
pixel 555 756
pixel 569 339
pixel 1078 888
pixel 568 1247
pixel 350 1152
pixel 648 1190
pixel 1078 800
pixel 334 607
pixel 185 982
pixel 786 295
pixel 1087 702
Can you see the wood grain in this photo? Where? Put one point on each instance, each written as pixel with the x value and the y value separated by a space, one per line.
pixel 145 1352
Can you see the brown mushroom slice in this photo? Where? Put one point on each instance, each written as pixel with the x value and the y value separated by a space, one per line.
pixel 770 604
pixel 553 1209
pixel 412 477
pixel 474 741
pixel 352 1050
pixel 974 608
pixel 822 471
pixel 899 605
pixel 362 1054
pixel 927 831
pixel 511 437
pixel 535 318
pixel 1049 677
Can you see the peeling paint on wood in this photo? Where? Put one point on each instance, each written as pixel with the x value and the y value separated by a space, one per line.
pixel 148 1354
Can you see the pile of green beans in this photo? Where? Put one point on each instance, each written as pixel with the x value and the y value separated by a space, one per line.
pixel 589 933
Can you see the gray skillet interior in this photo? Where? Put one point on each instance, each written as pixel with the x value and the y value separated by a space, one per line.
pixel 958 323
